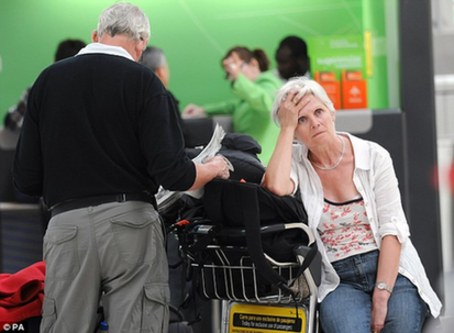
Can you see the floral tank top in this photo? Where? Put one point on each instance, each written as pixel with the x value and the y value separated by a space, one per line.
pixel 345 229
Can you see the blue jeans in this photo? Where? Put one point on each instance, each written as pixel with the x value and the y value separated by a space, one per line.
pixel 347 309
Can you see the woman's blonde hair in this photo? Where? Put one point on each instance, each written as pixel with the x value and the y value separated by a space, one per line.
pixel 303 86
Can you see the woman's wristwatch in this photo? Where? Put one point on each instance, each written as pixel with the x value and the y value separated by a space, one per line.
pixel 384 286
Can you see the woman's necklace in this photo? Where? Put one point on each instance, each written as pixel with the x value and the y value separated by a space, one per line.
pixel 335 165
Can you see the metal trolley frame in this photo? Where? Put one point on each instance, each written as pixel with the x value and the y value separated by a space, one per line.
pixel 231 276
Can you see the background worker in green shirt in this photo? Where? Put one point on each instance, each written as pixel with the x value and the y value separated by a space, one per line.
pixel 255 88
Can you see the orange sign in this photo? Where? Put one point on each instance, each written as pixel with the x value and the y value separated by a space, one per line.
pixel 331 85
pixel 354 90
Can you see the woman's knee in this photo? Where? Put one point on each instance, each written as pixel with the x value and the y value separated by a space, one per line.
pixel 345 309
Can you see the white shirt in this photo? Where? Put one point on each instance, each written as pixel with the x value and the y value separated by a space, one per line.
pixel 375 180
pixel 105 49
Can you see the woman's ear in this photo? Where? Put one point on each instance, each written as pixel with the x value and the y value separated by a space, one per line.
pixel 254 63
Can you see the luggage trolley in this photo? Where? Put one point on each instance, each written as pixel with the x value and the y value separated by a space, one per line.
pixel 223 269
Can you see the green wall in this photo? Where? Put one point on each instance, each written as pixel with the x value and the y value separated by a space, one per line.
pixel 195 34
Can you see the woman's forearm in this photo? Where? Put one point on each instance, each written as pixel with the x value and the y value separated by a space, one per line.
pixel 277 175
pixel 388 261
pixel 387 270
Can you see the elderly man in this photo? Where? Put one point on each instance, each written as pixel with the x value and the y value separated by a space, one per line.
pixel 98 139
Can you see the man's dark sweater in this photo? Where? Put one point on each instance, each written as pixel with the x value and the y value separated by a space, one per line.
pixel 99 124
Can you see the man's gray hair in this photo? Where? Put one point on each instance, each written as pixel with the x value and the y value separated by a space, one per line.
pixel 153 58
pixel 124 18
pixel 303 86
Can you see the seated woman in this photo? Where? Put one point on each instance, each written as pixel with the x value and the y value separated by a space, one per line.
pixel 372 277
pixel 255 88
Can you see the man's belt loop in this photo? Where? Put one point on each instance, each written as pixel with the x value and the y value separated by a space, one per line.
pixel 121 197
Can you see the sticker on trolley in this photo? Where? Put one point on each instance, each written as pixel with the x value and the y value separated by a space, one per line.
pixel 254 318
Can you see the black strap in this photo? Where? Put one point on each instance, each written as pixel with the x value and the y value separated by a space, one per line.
pixel 307 255
pixel 248 201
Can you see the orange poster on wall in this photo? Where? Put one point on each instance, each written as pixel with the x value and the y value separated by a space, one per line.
pixel 354 90
pixel 331 85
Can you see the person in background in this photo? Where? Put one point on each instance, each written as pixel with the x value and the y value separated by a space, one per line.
pixel 97 144
pixel 255 87
pixel 292 58
pixel 15 116
pixel 154 58
pixel 372 277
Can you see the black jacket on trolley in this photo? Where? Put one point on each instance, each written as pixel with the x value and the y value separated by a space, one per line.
pixel 99 124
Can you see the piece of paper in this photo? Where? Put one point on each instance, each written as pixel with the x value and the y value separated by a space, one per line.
pixel 165 197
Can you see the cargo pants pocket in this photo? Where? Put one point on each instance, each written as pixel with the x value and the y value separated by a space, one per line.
pixel 49 315
pixel 155 311
pixel 133 234
pixel 60 252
